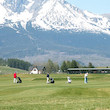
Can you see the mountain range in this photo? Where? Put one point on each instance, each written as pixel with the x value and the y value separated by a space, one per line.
pixel 106 15
pixel 38 30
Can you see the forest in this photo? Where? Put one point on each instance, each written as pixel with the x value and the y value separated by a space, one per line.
pixel 51 67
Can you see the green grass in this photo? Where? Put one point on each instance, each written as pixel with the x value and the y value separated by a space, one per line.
pixel 35 94
pixel 8 70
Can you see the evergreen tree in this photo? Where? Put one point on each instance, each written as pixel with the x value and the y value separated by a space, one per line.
pixel 64 67
pixel 56 66
pixel 68 63
pixel 51 67
pixel 90 65
pixel 74 64
pixel 16 63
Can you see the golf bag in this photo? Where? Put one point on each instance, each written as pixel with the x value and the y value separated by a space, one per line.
pixel 19 80
pixel 52 80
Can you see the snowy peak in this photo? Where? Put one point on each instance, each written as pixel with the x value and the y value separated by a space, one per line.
pixel 51 15
pixel 15 5
pixel 55 15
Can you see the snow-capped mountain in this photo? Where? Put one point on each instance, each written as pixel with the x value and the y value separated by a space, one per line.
pixel 53 29
pixel 51 15
pixel 106 15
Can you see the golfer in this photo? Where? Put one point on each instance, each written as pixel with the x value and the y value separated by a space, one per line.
pixel 85 78
pixel 15 78
pixel 47 78
pixel 68 80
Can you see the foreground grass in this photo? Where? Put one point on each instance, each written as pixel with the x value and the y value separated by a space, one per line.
pixel 35 94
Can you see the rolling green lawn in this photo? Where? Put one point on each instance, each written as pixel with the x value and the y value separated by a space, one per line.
pixel 35 94
pixel 8 70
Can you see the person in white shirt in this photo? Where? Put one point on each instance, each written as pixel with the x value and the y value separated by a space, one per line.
pixel 47 78
pixel 85 78
pixel 69 80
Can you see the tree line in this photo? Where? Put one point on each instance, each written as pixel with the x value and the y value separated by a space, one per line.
pixel 50 66
pixel 15 63
pixel 53 67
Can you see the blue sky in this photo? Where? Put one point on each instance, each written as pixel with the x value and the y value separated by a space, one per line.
pixel 94 6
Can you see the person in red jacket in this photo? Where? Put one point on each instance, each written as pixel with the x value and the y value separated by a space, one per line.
pixel 15 78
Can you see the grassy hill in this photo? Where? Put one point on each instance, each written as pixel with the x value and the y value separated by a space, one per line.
pixel 8 70
pixel 35 94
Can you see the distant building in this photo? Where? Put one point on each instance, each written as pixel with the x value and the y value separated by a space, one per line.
pixel 37 70
pixel 90 70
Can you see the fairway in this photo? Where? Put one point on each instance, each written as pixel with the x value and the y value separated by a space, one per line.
pixel 35 94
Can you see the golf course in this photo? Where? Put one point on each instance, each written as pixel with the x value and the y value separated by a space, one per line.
pixel 35 94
